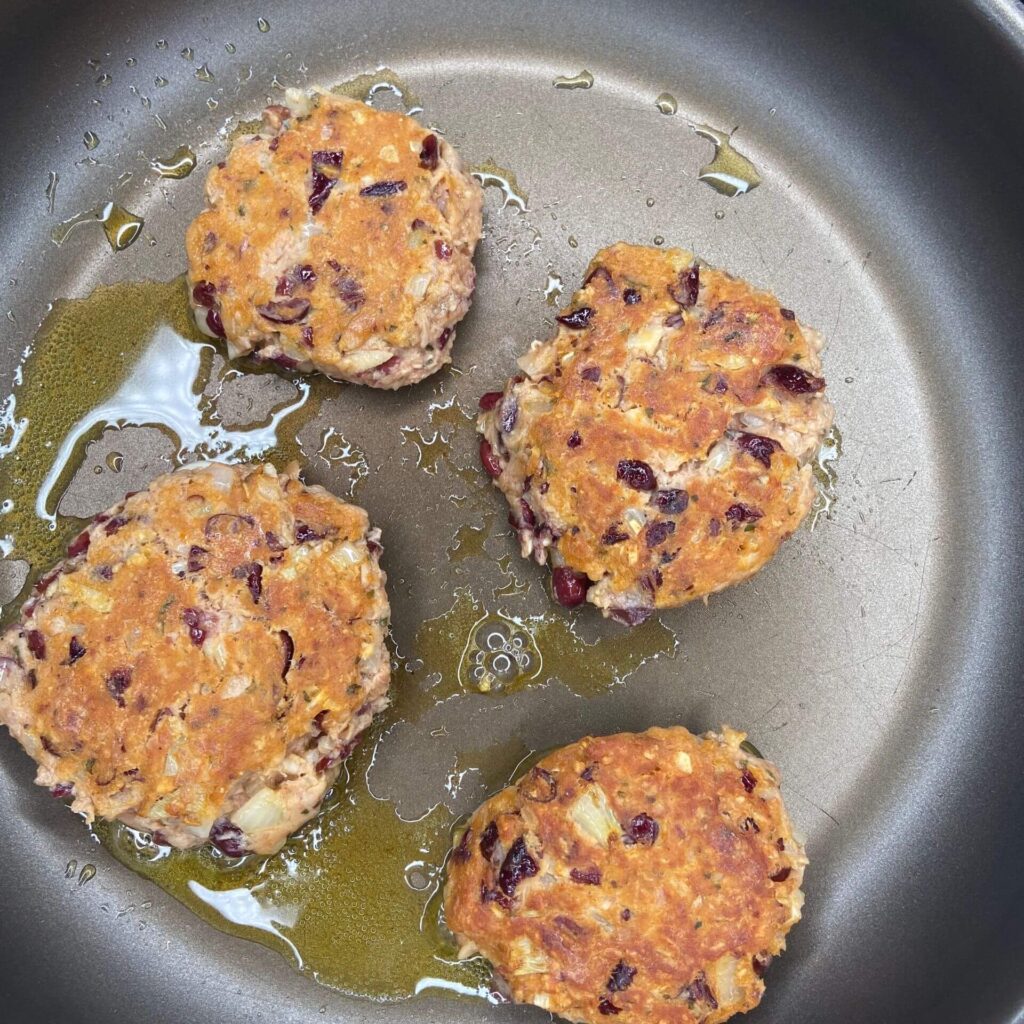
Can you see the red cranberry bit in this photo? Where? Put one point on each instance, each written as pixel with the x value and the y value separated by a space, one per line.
pixel 45 581
pixel 586 876
pixel 215 324
pixel 104 572
pixel 442 249
pixel 574 439
pixel 686 288
pixel 493 896
pixel 429 153
pixel 517 865
pixel 621 977
pixel 48 746
pixel 386 367
pixel 196 558
pixel 509 415
pixel 741 513
pixel 62 790
pixel 758 447
pixel 671 501
pixel 526 516
pixel 318 722
pixel 442 338
pixel 113 525
pixel 626 914
pixel 641 831
pixel 228 838
pixel 305 534
pixel 636 474
pixel 631 296
pixel 577 319
pixel 490 461
pixel 348 288
pixel 674 320
pixel 195 622
pixel 75 650
pixel 716 316
pixel 760 962
pixel 570 588
pixel 633 615
pixel 488 840
pixel 204 294
pixel 749 825
pixel 786 314
pixel 698 991
pixel 288 650
pixel 607 1007
pixel 383 188
pixel 254 581
pixel 781 875
pixel 714 527
pixel 748 780
pixel 339 755
pixel 613 535
pixel 489 400
pixel 36 643
pixel 603 274
pixel 591 373
pixel 284 311
pixel 326 166
pixel 274 542
pixel 539 786
pixel 117 682
pixel 658 533
pixel 79 545
pixel 569 925
pixel 307 336
pixel 794 379
pixel 588 773
pixel 461 852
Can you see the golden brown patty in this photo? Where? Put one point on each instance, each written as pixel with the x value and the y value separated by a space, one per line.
pixel 340 238
pixel 647 876
pixel 205 658
pixel 657 448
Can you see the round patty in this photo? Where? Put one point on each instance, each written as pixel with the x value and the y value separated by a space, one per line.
pixel 339 238
pixel 657 449
pixel 649 876
pixel 204 659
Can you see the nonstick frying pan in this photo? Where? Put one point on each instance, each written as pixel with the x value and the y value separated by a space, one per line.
pixel 878 660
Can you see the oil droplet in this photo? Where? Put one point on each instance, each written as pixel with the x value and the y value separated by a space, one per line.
pixel 490 175
pixel 719 214
pixel 432 448
pixel 72 867
pixel 203 73
pixel 468 541
pixel 583 80
pixel 187 53
pixel 379 84
pixel 180 164
pixel 262 24
pixel 666 103
pixel 553 289
pixel 573 243
pixel 334 449
pixel 659 240
pixel 730 172
pixel 828 478
pixel 650 202
pixel 115 462
pixel 87 874
pixel 104 80
pixel 159 81
pixel 500 653
pixel 212 103
pixel 161 44
pixel 53 180
pixel 91 140
pixel 120 226
pixel 130 62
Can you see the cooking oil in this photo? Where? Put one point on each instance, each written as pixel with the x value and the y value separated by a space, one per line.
pixel 490 175
pixel 825 473
pixel 666 103
pixel 730 172
pixel 583 80
pixel 376 84
pixel 90 140
pixel 180 164
pixel 120 226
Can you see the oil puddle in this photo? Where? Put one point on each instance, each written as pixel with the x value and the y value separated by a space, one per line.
pixel 120 226
pixel 825 473
pixel 490 175
pixel 583 80
pixel 335 450
pixel 730 172
pixel 666 103
pixel 180 164
pixel 376 87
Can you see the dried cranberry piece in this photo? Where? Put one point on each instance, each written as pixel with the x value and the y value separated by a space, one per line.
pixel 49 746
pixel 631 615
pixel 786 314
pixel 674 320
pixel 588 773
pixel 196 558
pixel 749 825
pixel 658 533
pixel 781 875
pixel 326 166
pixel 44 581
pixel 488 840
pixel 760 962
pixel 228 838
pixel 442 249
pixel 603 273
pixel 621 977
pixel 574 440
pixel 607 1007
pixel 348 288
pixel 305 534
pixel 570 588
pixel 686 288
pixel 748 780
pixel 636 474
pixel 62 790
pixel 794 379
pixel 539 786
pixel 741 513
pixel 285 286
pixel 284 311
pixel 204 294
pixel 569 925
pixel 442 338
pixel 79 545
pixel 526 516
pixel 307 336
pixel 383 188
pixel 226 524
pixel 339 755
pixel 215 324
pixel 115 524
pixel 591 373
pixel 195 621
pixel 716 316
pixel 699 991
pixel 671 501
pixel 626 914
pixel 461 853
pixel 489 400
pixel 517 866
pixel 493 896
pixel 758 447
pixel 75 650
pixel 631 296
pixel 305 274
pixel 577 319
pixel 490 461
pixel 254 581
pixel 509 415
pixel 274 542
pixel 641 831
pixel 429 153
pixel 287 649
pixel 586 876
pixel 36 643
pixel 714 527
pixel 117 682
pixel 614 535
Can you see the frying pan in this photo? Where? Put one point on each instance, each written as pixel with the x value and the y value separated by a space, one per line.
pixel 878 660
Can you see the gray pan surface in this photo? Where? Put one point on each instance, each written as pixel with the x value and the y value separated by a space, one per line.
pixel 878 660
